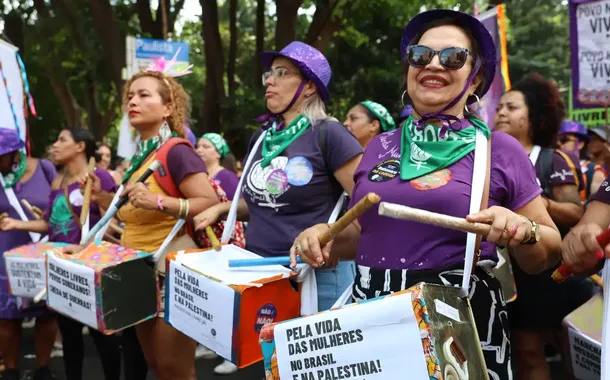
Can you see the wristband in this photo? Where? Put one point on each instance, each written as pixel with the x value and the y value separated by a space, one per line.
pixel 160 202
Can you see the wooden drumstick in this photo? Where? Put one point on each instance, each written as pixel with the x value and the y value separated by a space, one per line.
pixel 396 211
pixel 31 209
pixel 213 239
pixel 354 213
pixel 3 215
pixel 116 228
pixel 597 280
pixel 88 187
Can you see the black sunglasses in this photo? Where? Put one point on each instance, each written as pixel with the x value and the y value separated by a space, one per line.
pixel 565 139
pixel 452 58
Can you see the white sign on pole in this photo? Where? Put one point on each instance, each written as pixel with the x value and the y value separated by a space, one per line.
pixel 11 108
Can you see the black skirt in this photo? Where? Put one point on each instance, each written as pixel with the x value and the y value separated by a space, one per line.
pixel 486 299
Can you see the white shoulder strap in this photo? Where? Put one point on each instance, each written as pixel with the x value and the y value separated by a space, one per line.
pixel 14 202
pixel 479 173
pixel 335 214
pixel 535 154
pixel 232 217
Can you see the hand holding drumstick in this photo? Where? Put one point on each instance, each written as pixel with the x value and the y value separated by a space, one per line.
pixel 314 244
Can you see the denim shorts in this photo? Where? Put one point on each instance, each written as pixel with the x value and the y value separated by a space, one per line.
pixel 332 282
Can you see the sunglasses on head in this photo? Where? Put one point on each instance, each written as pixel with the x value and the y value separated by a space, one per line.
pixel 452 58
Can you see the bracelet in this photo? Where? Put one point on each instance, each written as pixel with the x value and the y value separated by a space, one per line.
pixel 186 209
pixel 181 209
pixel 160 202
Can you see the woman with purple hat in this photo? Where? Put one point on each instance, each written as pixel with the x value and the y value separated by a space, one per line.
pixel 22 178
pixel 572 138
pixel 430 163
pixel 300 163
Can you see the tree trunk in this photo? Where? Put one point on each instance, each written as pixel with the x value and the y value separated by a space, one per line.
pixel 260 40
pixel 13 28
pixel 285 27
pixel 232 57
pixel 323 25
pixel 214 94
pixel 147 24
pixel 112 42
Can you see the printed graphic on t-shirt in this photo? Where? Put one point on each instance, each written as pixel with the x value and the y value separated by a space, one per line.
pixel 563 174
pixel 61 219
pixel 299 171
pixel 432 181
pixel 266 185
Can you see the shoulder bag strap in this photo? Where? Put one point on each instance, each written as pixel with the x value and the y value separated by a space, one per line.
pixel 232 217
pixel 478 199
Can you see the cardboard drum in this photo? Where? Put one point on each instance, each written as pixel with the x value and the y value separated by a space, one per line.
pixel 425 332
pixel 105 286
pixel 225 309
pixel 26 270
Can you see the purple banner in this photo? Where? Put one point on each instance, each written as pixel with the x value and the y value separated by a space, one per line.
pixel 489 102
pixel 590 52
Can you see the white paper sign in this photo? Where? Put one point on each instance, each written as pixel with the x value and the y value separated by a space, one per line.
pixel 586 356
pixel 71 290
pixel 26 275
pixel 201 308
pixel 593 45
pixel 374 340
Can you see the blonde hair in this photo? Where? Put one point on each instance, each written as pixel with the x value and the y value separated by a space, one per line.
pixel 171 92
pixel 314 108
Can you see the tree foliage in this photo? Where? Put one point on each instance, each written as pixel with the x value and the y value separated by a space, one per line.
pixel 74 51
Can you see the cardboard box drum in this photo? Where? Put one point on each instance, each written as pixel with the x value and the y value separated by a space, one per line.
pixel 26 269
pixel 584 329
pixel 425 332
pixel 106 286
pixel 225 309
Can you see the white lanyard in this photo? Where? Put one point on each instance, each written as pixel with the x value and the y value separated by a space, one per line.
pixel 535 154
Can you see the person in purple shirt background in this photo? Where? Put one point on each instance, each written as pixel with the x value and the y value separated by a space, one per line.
pixel 72 150
pixel 30 179
pixel 449 61
pixel 532 112
pixel 214 151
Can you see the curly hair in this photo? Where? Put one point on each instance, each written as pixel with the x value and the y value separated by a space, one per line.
pixel 171 92
pixel 546 109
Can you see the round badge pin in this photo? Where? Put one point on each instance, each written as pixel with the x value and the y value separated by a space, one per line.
pixel 277 182
pixel 299 171
pixel 264 316
pixel 385 171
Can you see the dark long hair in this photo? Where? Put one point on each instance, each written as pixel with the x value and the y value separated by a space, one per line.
pixel 80 134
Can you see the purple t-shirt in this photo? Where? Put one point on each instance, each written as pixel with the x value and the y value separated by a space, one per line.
pixel 561 173
pixel 298 189
pixel 387 243
pixel 228 181
pixel 65 204
pixel 603 193
pixel 183 161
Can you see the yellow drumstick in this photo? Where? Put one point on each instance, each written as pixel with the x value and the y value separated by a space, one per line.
pixel 213 239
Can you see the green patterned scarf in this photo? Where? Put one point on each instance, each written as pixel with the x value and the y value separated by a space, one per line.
pixel 422 151
pixel 147 147
pixel 277 141
pixel 15 175
pixel 220 144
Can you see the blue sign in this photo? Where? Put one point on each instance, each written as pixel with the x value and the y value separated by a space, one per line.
pixel 147 48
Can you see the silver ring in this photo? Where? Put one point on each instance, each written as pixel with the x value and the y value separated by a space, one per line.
pixel 323 263
pixel 297 247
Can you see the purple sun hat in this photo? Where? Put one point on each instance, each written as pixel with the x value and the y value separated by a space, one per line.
pixel 9 141
pixel 190 136
pixel 487 54
pixel 309 60
pixel 575 128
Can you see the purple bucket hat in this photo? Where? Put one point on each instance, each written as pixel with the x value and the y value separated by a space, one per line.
pixel 309 60
pixel 575 128
pixel 487 54
pixel 9 141
pixel 190 136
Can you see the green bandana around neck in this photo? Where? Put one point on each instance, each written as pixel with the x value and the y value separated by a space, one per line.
pixel 220 144
pixel 385 119
pixel 423 152
pixel 144 149
pixel 15 175
pixel 277 141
